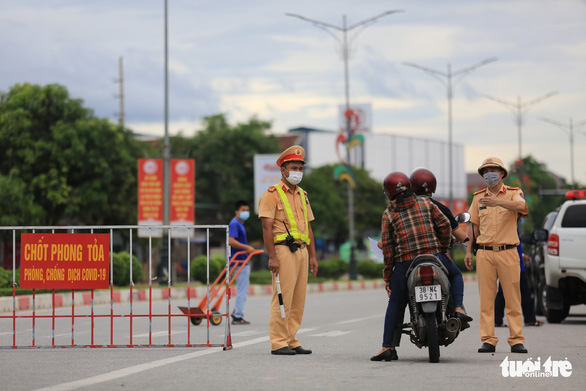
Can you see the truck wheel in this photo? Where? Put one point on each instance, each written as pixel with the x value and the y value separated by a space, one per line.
pixel 557 316
pixel 540 298
pixel 432 340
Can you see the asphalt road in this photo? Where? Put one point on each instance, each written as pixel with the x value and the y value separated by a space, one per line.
pixel 342 328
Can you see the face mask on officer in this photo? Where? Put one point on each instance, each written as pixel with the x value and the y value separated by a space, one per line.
pixel 294 177
pixel 491 178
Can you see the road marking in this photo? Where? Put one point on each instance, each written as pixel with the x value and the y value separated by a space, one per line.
pixel 360 319
pixel 334 333
pixel 147 366
pixel 246 333
pixel 90 381
pixel 159 334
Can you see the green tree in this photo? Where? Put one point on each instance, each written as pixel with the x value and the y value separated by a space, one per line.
pixel 224 171
pixel 67 164
pixel 17 207
pixel 534 177
pixel 329 202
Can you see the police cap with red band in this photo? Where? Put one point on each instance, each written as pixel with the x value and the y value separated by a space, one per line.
pixel 294 153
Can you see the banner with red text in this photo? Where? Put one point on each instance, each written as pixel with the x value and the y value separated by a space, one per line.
pixel 64 261
pixel 150 196
pixel 182 192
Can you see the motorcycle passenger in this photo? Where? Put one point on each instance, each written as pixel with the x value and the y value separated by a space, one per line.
pixel 424 183
pixel 411 226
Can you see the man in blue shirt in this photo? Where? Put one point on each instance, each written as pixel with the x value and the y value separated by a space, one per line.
pixel 239 242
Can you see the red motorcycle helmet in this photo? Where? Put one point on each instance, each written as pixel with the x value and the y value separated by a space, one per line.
pixel 396 183
pixel 423 182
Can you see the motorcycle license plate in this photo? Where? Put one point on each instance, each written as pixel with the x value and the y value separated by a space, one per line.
pixel 428 293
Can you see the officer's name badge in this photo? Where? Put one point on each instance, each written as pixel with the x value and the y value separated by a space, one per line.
pixel 482 207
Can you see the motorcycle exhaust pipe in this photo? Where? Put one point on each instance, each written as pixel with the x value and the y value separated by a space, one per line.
pixel 453 325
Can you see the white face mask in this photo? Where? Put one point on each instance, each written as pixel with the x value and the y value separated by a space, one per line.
pixel 294 177
pixel 491 178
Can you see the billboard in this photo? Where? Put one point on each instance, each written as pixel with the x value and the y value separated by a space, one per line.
pixel 64 261
pixel 266 174
pixel 150 196
pixel 182 192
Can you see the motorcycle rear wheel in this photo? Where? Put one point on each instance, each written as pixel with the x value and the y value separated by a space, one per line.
pixel 432 339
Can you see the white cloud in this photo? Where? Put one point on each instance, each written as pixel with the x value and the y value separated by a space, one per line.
pixel 247 58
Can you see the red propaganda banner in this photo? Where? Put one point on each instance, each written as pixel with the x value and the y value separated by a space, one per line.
pixel 64 261
pixel 182 191
pixel 150 195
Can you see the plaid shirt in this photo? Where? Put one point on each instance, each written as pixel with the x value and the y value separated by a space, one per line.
pixel 411 227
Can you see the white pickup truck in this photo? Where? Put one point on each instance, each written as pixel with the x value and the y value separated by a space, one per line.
pixel 564 258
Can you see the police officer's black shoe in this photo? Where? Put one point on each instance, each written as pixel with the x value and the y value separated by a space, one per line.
pixel 487 348
pixel 300 350
pixel 285 351
pixel 518 348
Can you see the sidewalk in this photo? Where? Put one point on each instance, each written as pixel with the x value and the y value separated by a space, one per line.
pixel 81 298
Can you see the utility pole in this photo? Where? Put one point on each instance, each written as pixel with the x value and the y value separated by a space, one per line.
pixel 519 110
pixel 346 54
pixel 121 91
pixel 568 129
pixel 451 79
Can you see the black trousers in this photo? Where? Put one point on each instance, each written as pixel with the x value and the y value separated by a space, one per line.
pixel 526 303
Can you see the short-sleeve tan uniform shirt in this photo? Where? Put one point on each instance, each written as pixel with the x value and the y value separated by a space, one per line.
pixel 498 226
pixel 271 206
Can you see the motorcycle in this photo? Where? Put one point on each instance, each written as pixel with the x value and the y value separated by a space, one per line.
pixel 433 322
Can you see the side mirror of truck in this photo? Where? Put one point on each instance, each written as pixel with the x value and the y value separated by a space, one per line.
pixel 540 235
pixel 527 239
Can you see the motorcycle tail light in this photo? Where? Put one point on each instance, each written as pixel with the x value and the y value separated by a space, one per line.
pixel 426 274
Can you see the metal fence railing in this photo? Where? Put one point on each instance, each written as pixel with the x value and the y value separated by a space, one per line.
pixel 135 317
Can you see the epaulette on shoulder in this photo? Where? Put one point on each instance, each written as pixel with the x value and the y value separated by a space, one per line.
pixel 272 189
pixel 512 188
pixel 478 192
pixel 305 192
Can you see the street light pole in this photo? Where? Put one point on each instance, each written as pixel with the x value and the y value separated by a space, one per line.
pixel 520 109
pixel 165 261
pixel 345 53
pixel 451 79
pixel 569 129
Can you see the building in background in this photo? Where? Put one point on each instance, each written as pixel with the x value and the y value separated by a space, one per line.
pixel 384 153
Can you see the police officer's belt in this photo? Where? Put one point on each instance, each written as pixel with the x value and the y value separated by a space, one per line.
pixel 497 248
pixel 302 245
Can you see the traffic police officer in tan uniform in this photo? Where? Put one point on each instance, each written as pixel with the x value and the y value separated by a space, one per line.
pixel 494 212
pixel 286 215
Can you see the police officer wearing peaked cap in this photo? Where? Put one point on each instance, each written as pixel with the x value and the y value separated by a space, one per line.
pixel 493 218
pixel 286 216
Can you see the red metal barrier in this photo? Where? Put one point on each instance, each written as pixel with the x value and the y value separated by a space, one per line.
pixel 115 315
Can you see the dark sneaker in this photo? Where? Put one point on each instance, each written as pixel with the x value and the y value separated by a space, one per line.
pixel 236 320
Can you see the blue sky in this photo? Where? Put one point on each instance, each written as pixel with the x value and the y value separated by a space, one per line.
pixel 247 58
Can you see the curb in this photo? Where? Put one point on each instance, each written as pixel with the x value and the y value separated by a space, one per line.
pixel 83 298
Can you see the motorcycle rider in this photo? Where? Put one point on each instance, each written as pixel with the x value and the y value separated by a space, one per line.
pixel 410 226
pixel 424 183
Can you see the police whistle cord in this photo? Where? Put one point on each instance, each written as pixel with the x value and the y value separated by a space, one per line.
pixel 278 283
